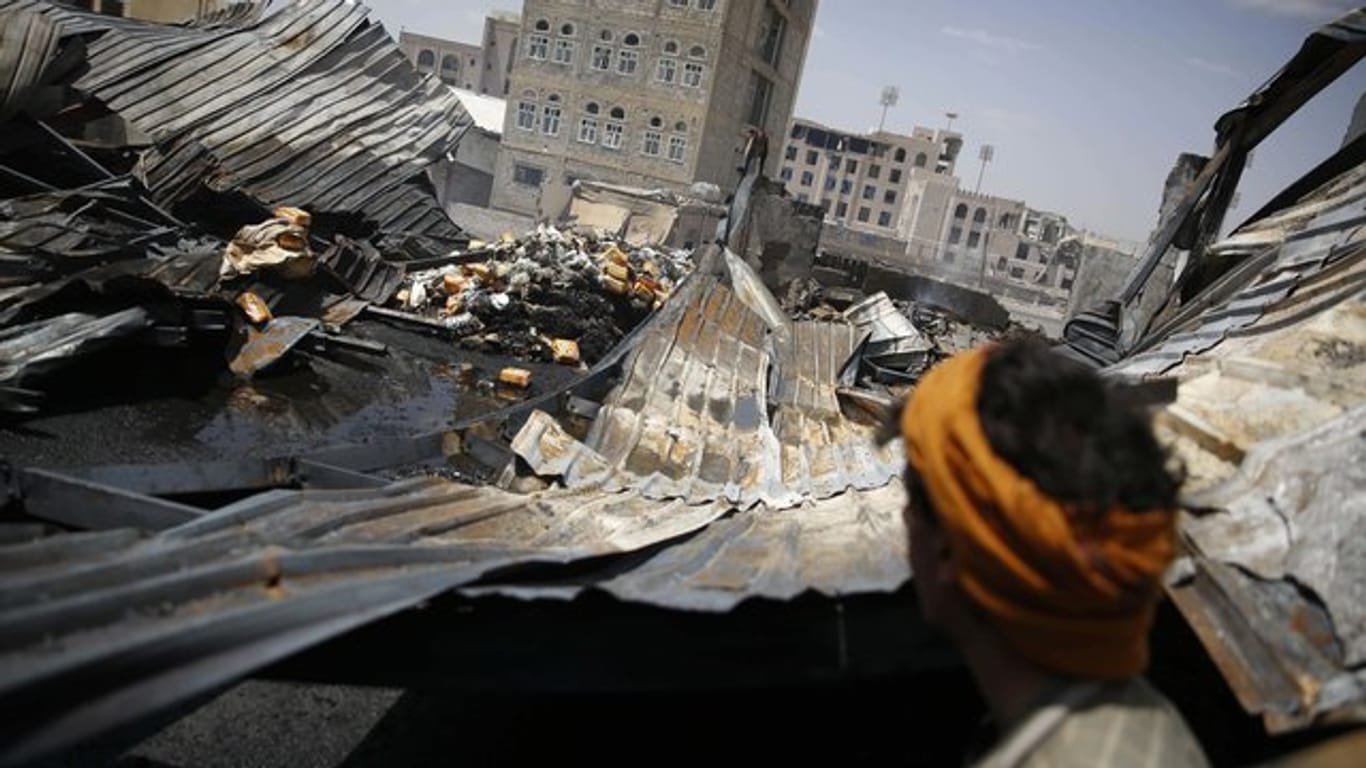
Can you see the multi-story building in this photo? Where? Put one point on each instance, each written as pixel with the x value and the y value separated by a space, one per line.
pixel 479 68
pixel 864 181
pixel 645 93
pixel 893 199
pixel 457 64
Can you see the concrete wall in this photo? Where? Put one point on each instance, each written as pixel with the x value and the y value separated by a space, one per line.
pixel 500 51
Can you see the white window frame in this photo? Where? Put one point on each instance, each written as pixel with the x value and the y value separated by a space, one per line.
pixel 627 55
pixel 550 119
pixel 693 72
pixel 613 134
pixel 601 54
pixel 678 148
pixel 672 70
pixel 564 51
pixel 526 109
pixel 651 139
pixel 538 43
pixel 588 130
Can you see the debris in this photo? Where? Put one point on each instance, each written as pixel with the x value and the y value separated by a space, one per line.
pixel 251 305
pixel 565 351
pixel 515 377
pixel 514 296
pixel 278 245
pixel 269 344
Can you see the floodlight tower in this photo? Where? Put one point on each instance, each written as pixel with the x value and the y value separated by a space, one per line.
pixel 889 97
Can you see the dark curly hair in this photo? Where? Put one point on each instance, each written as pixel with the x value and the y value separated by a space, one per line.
pixel 1061 425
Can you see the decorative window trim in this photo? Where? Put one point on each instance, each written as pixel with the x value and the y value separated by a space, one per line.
pixel 650 143
pixel 537 43
pixel 613 135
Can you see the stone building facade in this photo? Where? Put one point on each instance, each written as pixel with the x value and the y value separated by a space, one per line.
pixel 862 180
pixel 482 68
pixel 456 64
pixel 645 93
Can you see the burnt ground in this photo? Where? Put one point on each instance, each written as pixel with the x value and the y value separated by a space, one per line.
pixel 145 405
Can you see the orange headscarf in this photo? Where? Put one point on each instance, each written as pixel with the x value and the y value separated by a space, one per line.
pixel 1075 596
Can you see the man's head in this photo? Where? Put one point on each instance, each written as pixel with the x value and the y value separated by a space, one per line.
pixel 1040 509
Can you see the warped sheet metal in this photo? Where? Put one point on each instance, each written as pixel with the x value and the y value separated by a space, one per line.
pixel 691 420
pixel 27 42
pixel 123 624
pixel 1269 424
pixel 891 336
pixel 31 348
pixel 852 543
pixel 314 107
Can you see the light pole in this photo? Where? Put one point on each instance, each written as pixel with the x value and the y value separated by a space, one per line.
pixel 888 98
pixel 985 155
pixel 951 116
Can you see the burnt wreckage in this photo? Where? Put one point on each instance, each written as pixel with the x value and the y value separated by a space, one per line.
pixel 707 453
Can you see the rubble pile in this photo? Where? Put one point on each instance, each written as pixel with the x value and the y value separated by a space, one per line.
pixel 545 296
pixel 904 338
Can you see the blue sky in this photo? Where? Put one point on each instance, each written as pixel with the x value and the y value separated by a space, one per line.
pixel 1087 102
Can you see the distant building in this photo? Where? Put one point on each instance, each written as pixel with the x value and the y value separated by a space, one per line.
pixel 458 65
pixel 645 93
pixel 501 30
pixel 481 68
pixel 467 177
pixel 864 181
pixel 894 199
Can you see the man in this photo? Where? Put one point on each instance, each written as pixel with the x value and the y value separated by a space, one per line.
pixel 1041 516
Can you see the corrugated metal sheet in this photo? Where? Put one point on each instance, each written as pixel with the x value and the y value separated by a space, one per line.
pixel 314 107
pixel 1270 424
pixel 27 42
pixel 849 544
pixel 123 624
pixel 26 349
pixel 691 417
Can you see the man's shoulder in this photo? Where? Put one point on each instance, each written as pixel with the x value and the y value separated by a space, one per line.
pixel 1129 724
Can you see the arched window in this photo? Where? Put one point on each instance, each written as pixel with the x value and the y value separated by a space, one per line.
pixel 920 160
pixel 542 26
pixel 961 212
pixel 567 30
pixel 697 52
pixel 591 108
pixel 980 216
pixel 680 127
pixel 450 63
pixel 900 155
pixel 618 113
pixel 553 97
pixel 671 48
pixel 631 40
pixel 605 35
pixel 655 122
pixel 426 59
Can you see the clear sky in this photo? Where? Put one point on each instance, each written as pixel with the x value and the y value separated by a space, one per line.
pixel 1087 102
